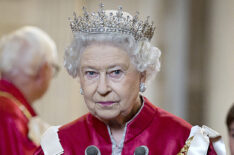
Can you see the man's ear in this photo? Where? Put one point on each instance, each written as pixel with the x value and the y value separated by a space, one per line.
pixel 42 72
pixel 143 77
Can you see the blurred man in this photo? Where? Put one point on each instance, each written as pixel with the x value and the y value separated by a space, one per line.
pixel 230 126
pixel 28 60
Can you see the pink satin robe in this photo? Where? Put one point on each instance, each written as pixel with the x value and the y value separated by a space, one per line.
pixel 162 132
pixel 13 123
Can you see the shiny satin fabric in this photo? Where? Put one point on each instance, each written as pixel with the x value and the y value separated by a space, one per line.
pixel 13 123
pixel 161 132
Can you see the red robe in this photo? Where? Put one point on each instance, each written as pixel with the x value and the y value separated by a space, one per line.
pixel 162 133
pixel 13 121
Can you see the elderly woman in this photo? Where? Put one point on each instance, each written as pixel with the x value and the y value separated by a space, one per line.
pixel 112 56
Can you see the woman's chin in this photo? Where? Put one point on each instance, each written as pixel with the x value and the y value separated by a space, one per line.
pixel 107 115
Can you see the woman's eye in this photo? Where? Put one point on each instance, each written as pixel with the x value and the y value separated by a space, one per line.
pixel 116 73
pixel 91 74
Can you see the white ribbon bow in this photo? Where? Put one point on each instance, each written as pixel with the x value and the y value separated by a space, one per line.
pixel 201 140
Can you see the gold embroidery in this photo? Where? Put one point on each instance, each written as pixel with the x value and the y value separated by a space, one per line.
pixel 18 103
pixel 184 150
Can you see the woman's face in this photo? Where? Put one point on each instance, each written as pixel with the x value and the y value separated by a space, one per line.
pixel 110 82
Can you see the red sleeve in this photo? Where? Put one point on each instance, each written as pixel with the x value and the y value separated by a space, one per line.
pixel 9 137
pixel 12 140
pixel 39 151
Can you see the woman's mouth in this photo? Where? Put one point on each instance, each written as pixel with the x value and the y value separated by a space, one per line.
pixel 106 103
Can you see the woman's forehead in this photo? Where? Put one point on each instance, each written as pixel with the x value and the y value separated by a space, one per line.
pixel 98 55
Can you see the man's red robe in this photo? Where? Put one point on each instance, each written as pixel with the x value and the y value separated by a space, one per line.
pixel 161 132
pixel 13 121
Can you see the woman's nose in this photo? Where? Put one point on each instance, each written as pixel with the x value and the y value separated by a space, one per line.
pixel 103 86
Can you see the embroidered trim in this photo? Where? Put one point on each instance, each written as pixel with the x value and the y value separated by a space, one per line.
pixel 50 142
pixel 185 149
pixel 24 110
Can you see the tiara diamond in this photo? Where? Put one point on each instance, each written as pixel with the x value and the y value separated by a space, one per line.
pixel 112 22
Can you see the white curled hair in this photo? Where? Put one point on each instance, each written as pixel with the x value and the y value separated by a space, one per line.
pixel 142 54
pixel 26 49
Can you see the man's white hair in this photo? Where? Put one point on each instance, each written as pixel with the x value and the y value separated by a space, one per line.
pixel 26 49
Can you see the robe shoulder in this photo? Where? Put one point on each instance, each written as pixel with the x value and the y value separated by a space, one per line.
pixel 12 116
pixel 80 131
pixel 9 108
pixel 13 130
pixel 171 122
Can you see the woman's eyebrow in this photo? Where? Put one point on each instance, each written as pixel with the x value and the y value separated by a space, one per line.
pixel 88 67
pixel 124 66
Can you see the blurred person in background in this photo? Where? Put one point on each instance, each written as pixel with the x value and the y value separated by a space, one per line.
pixel 230 126
pixel 28 61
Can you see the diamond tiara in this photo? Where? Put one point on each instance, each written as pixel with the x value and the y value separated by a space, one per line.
pixel 115 21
